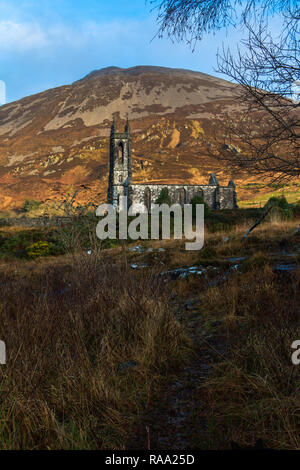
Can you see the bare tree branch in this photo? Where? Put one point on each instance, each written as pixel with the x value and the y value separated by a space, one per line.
pixel 266 71
pixel 264 136
pixel 190 20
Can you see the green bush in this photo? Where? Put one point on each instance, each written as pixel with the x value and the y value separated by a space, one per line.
pixel 280 207
pixel 199 200
pixel 41 248
pixel 17 245
pixel 296 209
pixel 108 243
pixel 31 204
pixel 164 197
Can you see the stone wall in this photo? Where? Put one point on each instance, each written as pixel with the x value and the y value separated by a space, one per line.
pixel 225 198
pixel 217 197
pixel 38 222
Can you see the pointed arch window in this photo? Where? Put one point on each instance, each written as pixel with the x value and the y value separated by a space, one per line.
pixel 200 193
pixel 182 196
pixel 147 198
pixel 121 152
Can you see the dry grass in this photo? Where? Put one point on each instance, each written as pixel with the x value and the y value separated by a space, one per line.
pixel 254 390
pixel 67 330
pixel 217 246
pixel 70 322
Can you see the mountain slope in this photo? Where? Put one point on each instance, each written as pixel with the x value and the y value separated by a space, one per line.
pixel 58 139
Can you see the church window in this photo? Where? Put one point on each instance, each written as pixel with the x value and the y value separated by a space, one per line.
pixel 121 152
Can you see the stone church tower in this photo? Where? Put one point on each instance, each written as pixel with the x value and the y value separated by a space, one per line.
pixel 119 165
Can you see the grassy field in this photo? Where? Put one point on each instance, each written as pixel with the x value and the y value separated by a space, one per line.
pixel 96 346
pixel 256 195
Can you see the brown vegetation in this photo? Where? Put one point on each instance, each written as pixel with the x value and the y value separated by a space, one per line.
pixel 254 389
pixel 95 347
pixel 69 331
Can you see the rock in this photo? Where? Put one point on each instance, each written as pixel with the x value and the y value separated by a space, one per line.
pixel 136 249
pixel 235 267
pixel 285 268
pixel 181 273
pixel 139 266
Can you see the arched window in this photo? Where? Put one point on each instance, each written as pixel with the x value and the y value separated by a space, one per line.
pixel 121 152
pixel 147 199
pixel 200 193
pixel 182 196
pixel 130 196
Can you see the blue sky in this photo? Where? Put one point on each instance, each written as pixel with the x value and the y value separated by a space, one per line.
pixel 48 43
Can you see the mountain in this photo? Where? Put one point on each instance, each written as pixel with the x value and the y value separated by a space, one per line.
pixel 58 140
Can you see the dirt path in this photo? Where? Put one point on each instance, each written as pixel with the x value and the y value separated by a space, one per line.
pixel 174 422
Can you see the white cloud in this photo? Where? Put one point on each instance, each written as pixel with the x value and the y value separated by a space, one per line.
pixel 21 36
pixel 17 36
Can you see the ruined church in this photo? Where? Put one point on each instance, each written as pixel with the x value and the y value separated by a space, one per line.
pixel 120 181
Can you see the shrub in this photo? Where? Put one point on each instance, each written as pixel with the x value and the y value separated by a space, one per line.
pixel 31 204
pixel 280 207
pixel 296 209
pixel 41 248
pixel 199 200
pixel 164 197
pixel 79 232
pixel 16 244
